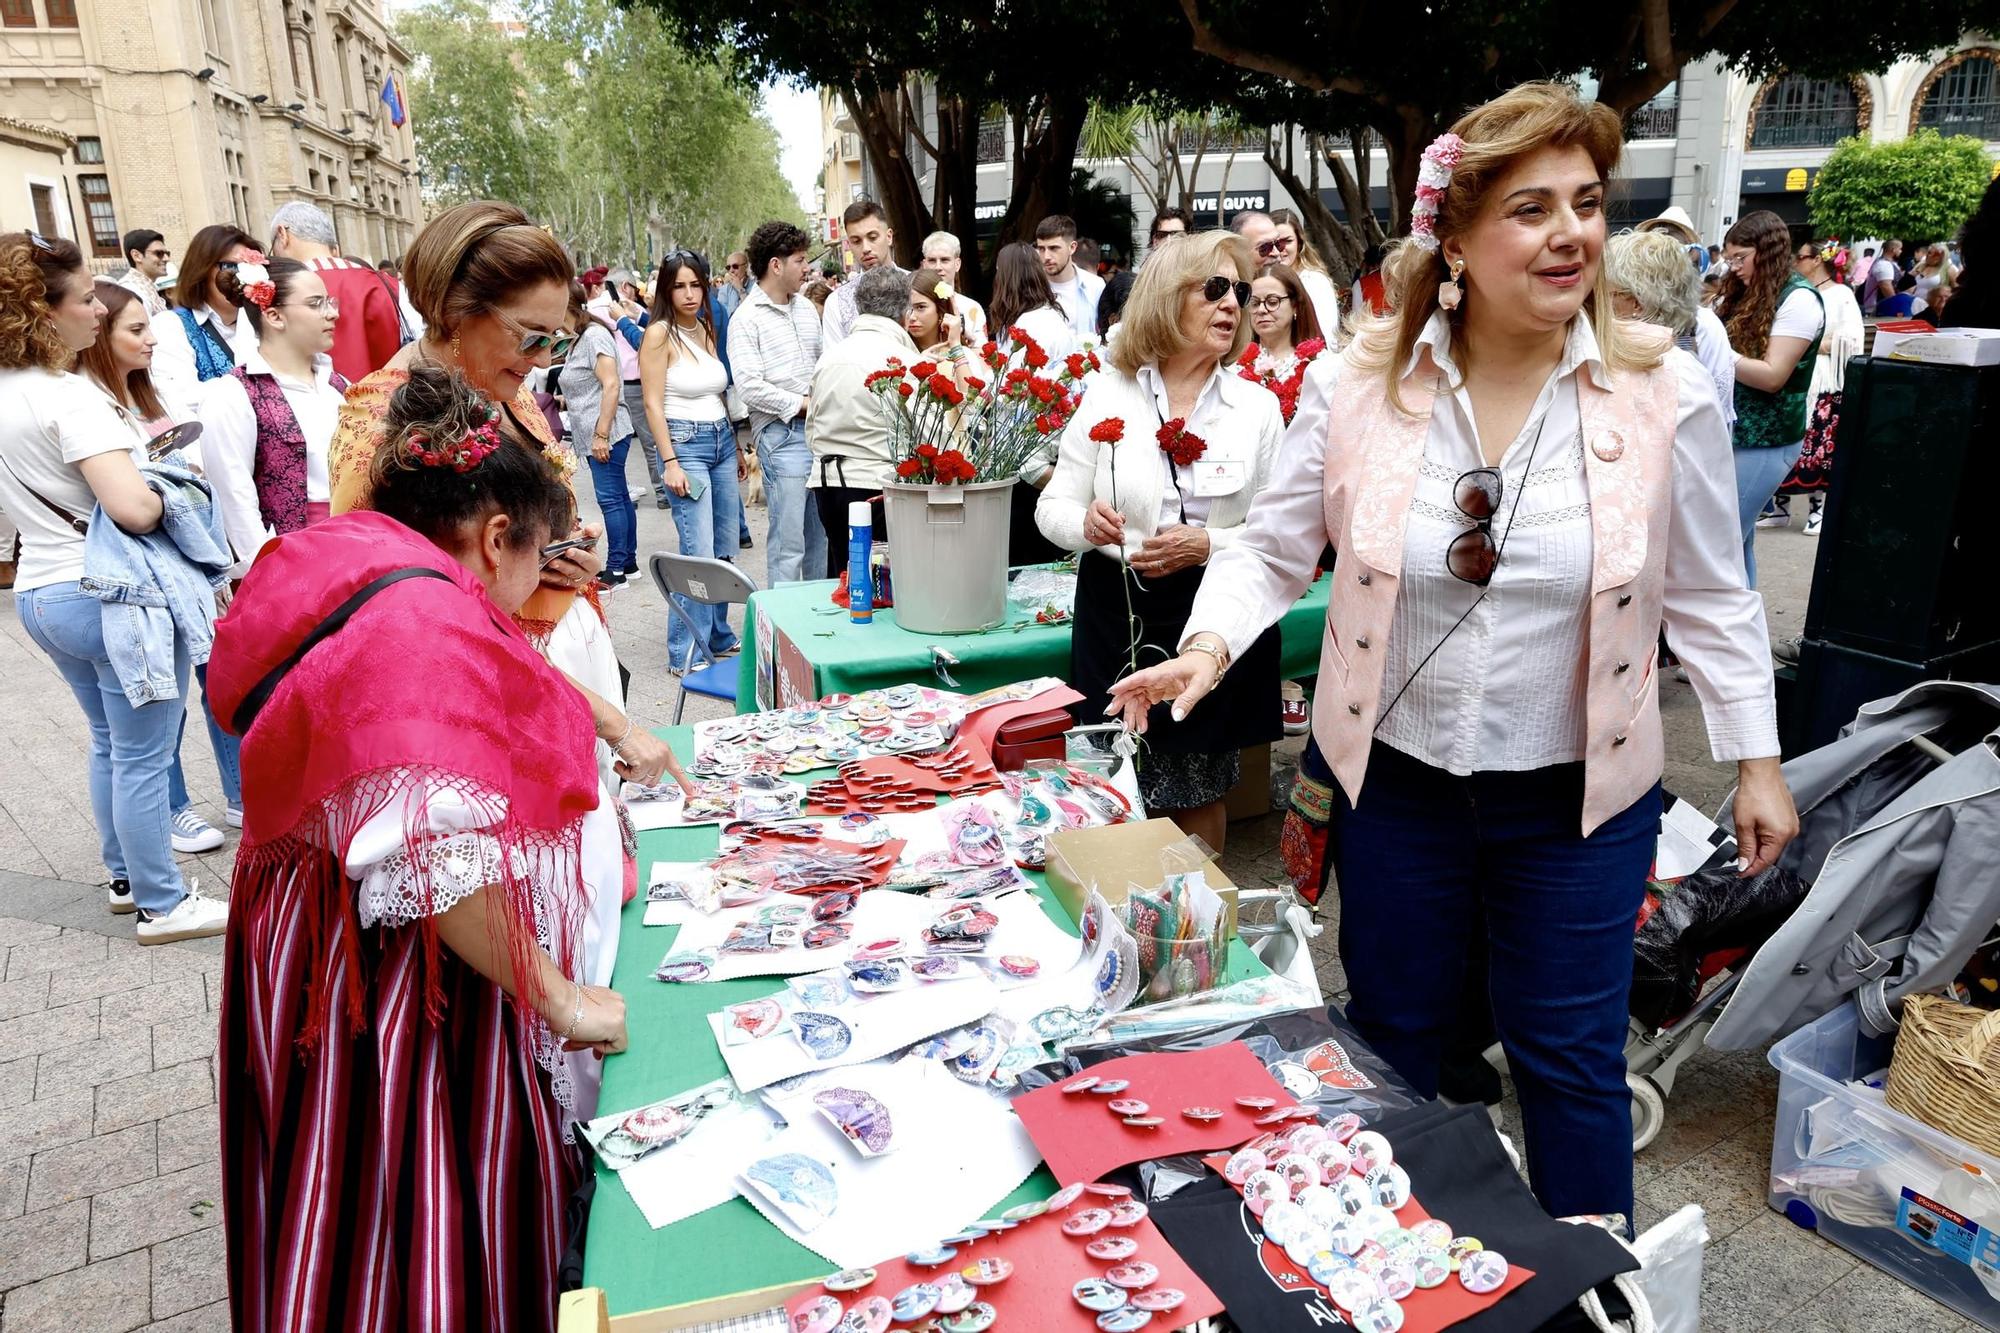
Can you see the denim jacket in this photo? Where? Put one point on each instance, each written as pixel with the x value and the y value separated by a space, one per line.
pixel 158 584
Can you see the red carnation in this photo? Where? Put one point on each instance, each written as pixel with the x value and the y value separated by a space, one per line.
pixel 1076 365
pixel 973 384
pixel 990 353
pixel 1108 431
pixel 908 468
pixel 1180 444
pixel 1035 357
pixel 941 385
pixel 1310 348
pixel 927 452
pixel 923 370
pixel 1249 357
pixel 905 389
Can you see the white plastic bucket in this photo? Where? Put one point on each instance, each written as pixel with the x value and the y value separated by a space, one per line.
pixel 948 555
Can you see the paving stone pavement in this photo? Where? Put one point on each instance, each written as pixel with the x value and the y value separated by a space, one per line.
pixel 109 1185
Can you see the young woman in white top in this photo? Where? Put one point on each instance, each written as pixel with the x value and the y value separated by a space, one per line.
pixel 686 387
pixel 65 449
pixel 203 335
pixel 1288 233
pixel 1844 332
pixel 1523 490
pixel 1022 299
pixel 267 425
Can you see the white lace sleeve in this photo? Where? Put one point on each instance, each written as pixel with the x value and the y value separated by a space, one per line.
pixel 457 858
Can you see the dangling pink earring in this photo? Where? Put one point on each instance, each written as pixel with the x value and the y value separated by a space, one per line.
pixel 1452 290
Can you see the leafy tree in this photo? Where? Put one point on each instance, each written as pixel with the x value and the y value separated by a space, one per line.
pixel 1919 189
pixel 1102 212
pixel 473 135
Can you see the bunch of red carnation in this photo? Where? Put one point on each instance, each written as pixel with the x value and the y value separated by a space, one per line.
pixel 1287 389
pixel 931 464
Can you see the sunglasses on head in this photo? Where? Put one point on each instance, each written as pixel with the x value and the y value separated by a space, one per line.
pixel 41 242
pixel 1472 555
pixel 534 342
pixel 1218 287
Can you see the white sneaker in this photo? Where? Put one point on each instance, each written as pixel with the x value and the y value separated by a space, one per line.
pixel 1813 521
pixel 193 918
pixel 1781 519
pixel 118 895
pixel 232 815
pixel 192 833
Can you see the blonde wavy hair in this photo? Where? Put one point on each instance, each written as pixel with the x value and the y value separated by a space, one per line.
pixel 1149 332
pixel 1498 136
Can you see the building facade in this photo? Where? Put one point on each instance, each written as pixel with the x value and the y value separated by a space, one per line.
pixel 1716 143
pixel 180 113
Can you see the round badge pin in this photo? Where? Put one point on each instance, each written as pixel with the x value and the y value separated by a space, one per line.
pixel 1351 1289
pixel 1084 1084
pixel 1125 1319
pixel 987 1272
pixel 1256 1103
pixel 1284 1220
pixel 821 1314
pixel 1320 1205
pixel 953 1294
pixel 1112 1249
pixel 1111 1087
pixel 849 1279
pixel 1242 1164
pixel 1381 1315
pixel 936 1256
pixel 1353 1195
pixel 1094 1293
pixel 1372 1257
pixel 1461 1246
pixel 1398 1279
pixel 1133 1276
pixel 1272 1118
pixel 1159 1300
pixel 914 1302
pixel 1063 1198
pixel 1145 1121
pixel 1371 1151
pixel 1432 1234
pixel 1322 1266
pixel 974 1318
pixel 1127 1213
pixel 1344 1126
pixel 1299 1172
pixel 871 1316
pixel 1105 1189
pixel 1390 1186
pixel 1086 1223
pixel 1431 1270
pixel 1345 1237
pixel 1305 1244
pixel 1024 1212
pixel 1127 1106
pixel 1483 1272
pixel 1264 1188
pixel 1375 1221
pixel 1202 1114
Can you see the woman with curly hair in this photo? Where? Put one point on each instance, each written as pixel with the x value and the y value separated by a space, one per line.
pixel 405 989
pixel 1776 320
pixel 67 449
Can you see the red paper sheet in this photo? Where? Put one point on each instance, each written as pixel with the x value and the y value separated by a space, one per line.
pixel 1081 1138
pixel 1424 1311
pixel 1047 1264
pixel 979 727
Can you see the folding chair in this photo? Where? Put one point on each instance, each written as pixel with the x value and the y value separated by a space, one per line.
pixel 712 583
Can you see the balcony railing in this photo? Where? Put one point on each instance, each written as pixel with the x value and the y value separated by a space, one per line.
pixel 1221 141
pixel 1803 127
pixel 1655 120
pixel 993 139
pixel 1981 118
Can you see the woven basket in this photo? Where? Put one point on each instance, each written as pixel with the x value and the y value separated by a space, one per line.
pixel 1946 1069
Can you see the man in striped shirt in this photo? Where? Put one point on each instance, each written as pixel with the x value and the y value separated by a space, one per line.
pixel 774 340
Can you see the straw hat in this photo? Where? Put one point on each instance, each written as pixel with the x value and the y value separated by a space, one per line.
pixel 1674 221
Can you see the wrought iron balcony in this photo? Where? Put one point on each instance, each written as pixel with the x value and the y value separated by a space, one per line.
pixel 1657 119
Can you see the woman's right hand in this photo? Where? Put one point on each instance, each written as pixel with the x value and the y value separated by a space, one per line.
pixel 602 1026
pixel 1103 525
pixel 1186 680
pixel 676 478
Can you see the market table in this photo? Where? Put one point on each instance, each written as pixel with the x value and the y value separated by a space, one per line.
pixel 730 1249
pixel 798 645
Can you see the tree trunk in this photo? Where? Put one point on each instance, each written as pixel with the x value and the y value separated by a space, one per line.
pixel 878 116
pixel 1405 137
pixel 1043 160
pixel 958 187
pixel 1328 237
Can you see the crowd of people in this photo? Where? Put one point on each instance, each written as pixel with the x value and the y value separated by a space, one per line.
pixel 1533 448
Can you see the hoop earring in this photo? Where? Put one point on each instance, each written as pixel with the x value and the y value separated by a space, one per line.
pixel 1452 290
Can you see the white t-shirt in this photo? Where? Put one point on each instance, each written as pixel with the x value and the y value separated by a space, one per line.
pixel 1800 315
pixel 50 421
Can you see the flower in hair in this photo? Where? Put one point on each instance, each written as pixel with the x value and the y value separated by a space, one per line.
pixel 460 455
pixel 258 288
pixel 944 291
pixel 1433 176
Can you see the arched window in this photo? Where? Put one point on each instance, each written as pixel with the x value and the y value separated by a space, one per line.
pixel 1962 96
pixel 1797 112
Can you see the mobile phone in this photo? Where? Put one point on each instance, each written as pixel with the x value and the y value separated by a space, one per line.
pixel 554 549
pixel 696 489
pixel 172 438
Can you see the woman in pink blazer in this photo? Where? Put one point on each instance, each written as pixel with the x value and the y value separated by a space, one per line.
pixel 1523 491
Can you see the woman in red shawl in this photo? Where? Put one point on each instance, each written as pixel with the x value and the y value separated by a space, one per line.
pixel 398 981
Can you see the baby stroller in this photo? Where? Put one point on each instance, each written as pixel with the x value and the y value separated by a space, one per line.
pixel 1886 891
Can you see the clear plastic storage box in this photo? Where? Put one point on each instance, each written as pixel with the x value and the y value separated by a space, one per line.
pixel 1911 1200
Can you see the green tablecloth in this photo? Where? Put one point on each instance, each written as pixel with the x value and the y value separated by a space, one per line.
pixel 730 1248
pixel 845 658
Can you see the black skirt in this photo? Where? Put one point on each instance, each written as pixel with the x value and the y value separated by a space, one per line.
pixel 1245 712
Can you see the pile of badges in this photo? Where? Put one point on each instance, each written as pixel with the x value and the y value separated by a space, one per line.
pixel 904 719
pixel 1139 1115
pixel 1328 1194
pixel 1053 797
pixel 799 858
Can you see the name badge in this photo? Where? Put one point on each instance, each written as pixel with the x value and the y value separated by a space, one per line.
pixel 1218 476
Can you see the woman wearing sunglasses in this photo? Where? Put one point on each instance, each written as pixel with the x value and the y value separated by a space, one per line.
pixel 408 994
pixel 1523 490
pixel 1288 233
pixel 203 336
pixel 1158 471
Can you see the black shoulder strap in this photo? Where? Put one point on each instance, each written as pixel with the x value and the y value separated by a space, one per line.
pixel 253 703
pixel 78 525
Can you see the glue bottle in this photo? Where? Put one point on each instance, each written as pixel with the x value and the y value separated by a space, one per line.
pixel 860 547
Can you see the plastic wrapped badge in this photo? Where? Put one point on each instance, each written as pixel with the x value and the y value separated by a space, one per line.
pixel 863 1119
pixel 990 1039
pixel 824 1035
pixel 879 975
pixel 817 990
pixel 684 967
pixel 1116 980
pixel 751 1020
pixel 798 1186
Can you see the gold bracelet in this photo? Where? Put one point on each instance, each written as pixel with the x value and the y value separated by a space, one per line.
pixel 1219 652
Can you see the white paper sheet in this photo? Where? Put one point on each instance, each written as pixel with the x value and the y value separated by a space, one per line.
pixel 959 1152
pixel 1689 839
pixel 879 1024
pixel 878 914
pixel 700 1171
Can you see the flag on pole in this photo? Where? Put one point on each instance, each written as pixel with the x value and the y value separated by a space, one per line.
pixel 392 97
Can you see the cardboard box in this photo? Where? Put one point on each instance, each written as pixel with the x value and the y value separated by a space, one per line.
pixel 1250 798
pixel 1117 855
pixel 1914 340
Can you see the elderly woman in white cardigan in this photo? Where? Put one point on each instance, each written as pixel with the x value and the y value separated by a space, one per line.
pixel 1158 470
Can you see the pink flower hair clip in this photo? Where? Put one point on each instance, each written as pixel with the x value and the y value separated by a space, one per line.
pixel 1433 177
pixel 462 455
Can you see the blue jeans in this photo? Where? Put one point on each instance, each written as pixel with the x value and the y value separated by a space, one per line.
pixel 742 521
pixel 705 518
pixel 1759 472
pixel 1417 861
pixel 635 407
pixel 228 758
pixel 795 544
pixel 130 748
pixel 621 516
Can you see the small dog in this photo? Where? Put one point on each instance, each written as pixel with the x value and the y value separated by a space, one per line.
pixel 752 485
